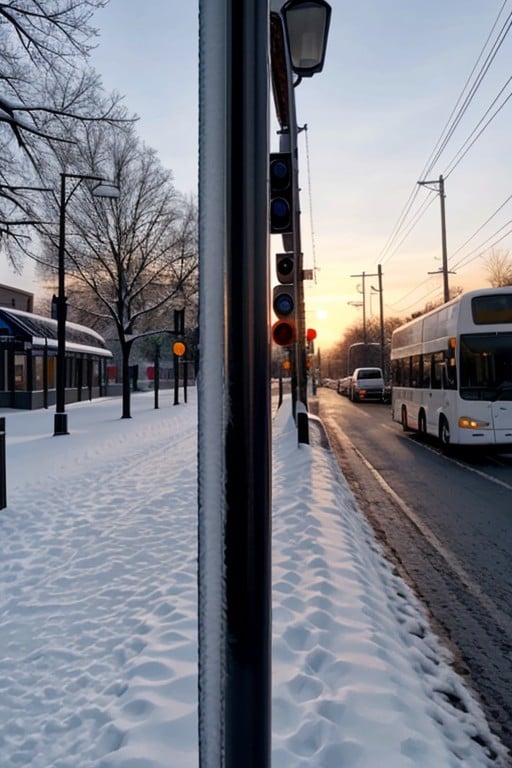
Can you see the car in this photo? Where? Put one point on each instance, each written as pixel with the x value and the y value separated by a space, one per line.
pixel 343 387
pixel 367 384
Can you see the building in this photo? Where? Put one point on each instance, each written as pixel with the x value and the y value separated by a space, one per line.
pixel 28 358
pixel 15 298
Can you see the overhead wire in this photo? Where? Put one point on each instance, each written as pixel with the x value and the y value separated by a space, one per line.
pixel 313 249
pixel 482 226
pixel 455 162
pixel 417 216
pixel 449 129
pixel 438 150
pixel 466 260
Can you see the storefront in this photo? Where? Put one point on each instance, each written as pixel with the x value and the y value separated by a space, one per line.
pixel 28 361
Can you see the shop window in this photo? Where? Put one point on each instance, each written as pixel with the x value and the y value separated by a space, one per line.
pixel 20 373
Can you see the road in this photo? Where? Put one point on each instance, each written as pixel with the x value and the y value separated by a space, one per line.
pixel 446 524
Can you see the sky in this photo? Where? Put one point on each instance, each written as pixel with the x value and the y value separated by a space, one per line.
pixel 396 76
pixel 98 607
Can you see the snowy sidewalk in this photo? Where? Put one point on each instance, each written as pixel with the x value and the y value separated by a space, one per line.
pixel 98 665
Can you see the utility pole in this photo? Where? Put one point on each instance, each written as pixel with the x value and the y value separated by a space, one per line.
pixel 363 277
pixel 439 188
pixel 381 315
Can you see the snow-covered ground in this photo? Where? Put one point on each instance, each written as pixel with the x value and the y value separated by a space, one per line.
pixel 98 638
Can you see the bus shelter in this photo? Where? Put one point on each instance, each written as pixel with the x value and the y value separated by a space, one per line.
pixel 28 361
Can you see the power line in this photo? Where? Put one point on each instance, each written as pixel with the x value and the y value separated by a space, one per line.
pixel 313 251
pixel 474 88
pixel 454 253
pixel 418 215
pixel 466 260
pixel 449 129
pixel 455 164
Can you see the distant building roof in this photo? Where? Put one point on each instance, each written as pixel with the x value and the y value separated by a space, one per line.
pixel 16 298
pixel 42 332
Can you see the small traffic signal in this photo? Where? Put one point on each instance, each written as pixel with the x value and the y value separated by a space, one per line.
pixel 283 304
pixel 281 193
pixel 283 301
pixel 285 267
pixel 283 333
pixel 179 348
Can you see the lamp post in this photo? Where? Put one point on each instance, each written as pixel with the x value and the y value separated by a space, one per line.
pixel 102 189
pixel 306 28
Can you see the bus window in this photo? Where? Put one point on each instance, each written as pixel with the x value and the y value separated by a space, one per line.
pixel 437 378
pixel 416 371
pixel 485 364
pixel 427 372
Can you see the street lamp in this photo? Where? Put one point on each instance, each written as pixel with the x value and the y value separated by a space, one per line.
pixel 101 189
pixel 307 27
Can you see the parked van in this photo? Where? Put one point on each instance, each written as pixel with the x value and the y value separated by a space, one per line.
pixel 367 384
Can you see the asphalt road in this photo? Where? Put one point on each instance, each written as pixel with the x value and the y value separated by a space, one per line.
pixel 446 524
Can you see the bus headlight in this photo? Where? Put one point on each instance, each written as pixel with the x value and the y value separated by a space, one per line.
pixel 465 422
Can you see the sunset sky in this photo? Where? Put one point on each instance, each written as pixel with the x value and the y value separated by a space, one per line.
pixel 409 91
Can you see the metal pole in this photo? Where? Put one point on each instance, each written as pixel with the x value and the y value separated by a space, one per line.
pixel 176 362
pixel 444 269
pixel 288 143
pixel 381 313
pixel 446 288
pixel 3 475
pixel 248 436
pixel 156 374
pixel 61 418
pixel 364 309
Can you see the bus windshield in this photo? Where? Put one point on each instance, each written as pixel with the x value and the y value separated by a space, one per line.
pixel 486 366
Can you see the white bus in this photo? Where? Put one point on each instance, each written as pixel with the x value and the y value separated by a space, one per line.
pixel 452 370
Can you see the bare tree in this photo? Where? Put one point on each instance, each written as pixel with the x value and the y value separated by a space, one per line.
pixel 45 90
pixel 129 260
pixel 498 266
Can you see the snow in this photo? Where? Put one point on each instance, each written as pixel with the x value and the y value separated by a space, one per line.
pixel 98 619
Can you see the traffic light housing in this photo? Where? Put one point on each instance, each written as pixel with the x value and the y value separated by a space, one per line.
pixel 285 267
pixel 283 303
pixel 281 193
pixel 283 333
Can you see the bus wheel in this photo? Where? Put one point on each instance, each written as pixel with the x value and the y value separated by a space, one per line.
pixel 444 433
pixel 422 424
pixel 405 425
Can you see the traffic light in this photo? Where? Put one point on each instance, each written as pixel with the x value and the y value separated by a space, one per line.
pixel 281 193
pixel 179 348
pixel 283 304
pixel 285 267
pixel 283 333
pixel 283 300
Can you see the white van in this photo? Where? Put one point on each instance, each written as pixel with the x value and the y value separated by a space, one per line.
pixel 367 384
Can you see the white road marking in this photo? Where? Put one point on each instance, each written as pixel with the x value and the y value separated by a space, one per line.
pixel 475 590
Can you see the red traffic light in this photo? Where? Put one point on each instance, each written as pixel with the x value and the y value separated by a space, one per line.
pixel 310 334
pixel 283 333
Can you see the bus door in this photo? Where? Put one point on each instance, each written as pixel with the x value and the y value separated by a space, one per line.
pixel 501 409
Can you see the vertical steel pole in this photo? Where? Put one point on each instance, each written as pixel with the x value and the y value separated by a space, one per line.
pixel 61 418
pixel 288 143
pixel 446 287
pixel 156 374
pixel 381 314
pixel 214 72
pixel 234 387
pixel 248 445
